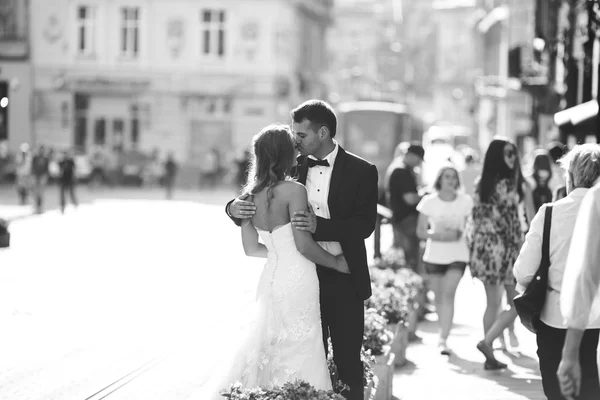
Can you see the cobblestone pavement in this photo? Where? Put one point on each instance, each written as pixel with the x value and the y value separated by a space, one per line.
pixel 139 299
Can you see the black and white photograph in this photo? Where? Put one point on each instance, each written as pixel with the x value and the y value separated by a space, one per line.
pixel 299 199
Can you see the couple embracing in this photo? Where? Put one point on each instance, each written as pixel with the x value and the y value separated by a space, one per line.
pixel 313 217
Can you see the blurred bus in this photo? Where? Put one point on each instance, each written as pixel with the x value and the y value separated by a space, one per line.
pixel 372 129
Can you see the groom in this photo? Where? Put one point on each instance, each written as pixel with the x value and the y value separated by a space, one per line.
pixel 342 190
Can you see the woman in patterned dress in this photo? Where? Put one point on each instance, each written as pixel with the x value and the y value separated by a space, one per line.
pixel 495 236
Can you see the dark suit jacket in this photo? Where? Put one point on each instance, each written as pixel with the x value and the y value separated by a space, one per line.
pixel 352 205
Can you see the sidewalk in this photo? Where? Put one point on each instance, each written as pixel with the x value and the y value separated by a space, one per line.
pixel 429 375
pixel 13 212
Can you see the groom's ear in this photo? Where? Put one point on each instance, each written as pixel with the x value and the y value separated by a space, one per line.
pixel 323 132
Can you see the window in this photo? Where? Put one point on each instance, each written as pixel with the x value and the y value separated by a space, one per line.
pixel 100 132
pixel 130 32
pixel 4 104
pixel 135 126
pixel 118 129
pixel 80 132
pixel 8 19
pixel 86 30
pixel 212 33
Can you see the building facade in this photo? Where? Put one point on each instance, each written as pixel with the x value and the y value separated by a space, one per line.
pixel 353 43
pixel 457 64
pixel 179 76
pixel 15 73
pixel 506 35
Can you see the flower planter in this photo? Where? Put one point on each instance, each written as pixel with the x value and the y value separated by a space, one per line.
pixel 384 371
pixel 400 343
pixel 371 390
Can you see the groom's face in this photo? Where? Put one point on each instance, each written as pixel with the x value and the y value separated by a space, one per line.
pixel 307 139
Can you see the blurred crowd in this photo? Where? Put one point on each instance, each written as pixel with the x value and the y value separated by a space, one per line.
pixel 495 217
pixel 32 169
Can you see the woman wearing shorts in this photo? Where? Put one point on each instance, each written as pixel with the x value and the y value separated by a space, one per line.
pixel 442 218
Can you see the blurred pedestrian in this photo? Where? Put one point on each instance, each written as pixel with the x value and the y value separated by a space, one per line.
pixel 582 165
pixel 40 169
pixel 171 168
pixel 540 178
pixel 403 197
pixel 67 180
pixel 99 166
pixel 23 173
pixel 442 218
pixel 241 168
pixel 495 235
pixel 397 162
pixel 557 185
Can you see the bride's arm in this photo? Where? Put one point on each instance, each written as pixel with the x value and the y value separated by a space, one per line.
pixel 250 242
pixel 298 201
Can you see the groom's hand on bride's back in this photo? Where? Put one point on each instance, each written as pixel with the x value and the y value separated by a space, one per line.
pixel 242 208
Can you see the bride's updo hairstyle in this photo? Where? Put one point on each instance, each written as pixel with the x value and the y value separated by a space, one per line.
pixel 273 155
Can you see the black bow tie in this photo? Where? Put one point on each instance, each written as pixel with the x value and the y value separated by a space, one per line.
pixel 312 162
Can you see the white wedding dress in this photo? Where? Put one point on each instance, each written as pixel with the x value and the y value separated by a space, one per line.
pixel 284 341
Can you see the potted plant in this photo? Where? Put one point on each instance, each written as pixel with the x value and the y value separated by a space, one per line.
pixel 413 286
pixel 393 259
pixel 370 381
pixel 393 305
pixel 377 339
pixel 390 271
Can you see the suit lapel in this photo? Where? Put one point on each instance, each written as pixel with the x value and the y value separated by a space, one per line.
pixel 336 178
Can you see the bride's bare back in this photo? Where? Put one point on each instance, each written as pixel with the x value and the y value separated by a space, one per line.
pixel 277 213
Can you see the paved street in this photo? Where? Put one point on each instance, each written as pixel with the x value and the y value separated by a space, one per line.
pixel 137 299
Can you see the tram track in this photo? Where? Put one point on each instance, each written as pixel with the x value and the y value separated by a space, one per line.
pixel 126 379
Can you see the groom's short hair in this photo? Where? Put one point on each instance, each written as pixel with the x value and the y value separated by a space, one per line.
pixel 318 112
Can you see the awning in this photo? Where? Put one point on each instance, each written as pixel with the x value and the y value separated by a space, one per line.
pixel 578 114
pixel 580 120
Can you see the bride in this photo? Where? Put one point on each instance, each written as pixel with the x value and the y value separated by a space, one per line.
pixel 285 340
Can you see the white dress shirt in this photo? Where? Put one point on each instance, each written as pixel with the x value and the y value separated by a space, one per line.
pixel 580 297
pixel 564 214
pixel 317 184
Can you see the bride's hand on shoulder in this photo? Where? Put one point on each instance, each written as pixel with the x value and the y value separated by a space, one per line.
pixel 342 264
pixel 242 208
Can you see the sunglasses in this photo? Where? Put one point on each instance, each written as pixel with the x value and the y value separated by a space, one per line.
pixel 509 153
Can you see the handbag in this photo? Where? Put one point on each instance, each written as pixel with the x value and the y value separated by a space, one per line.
pixel 529 304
